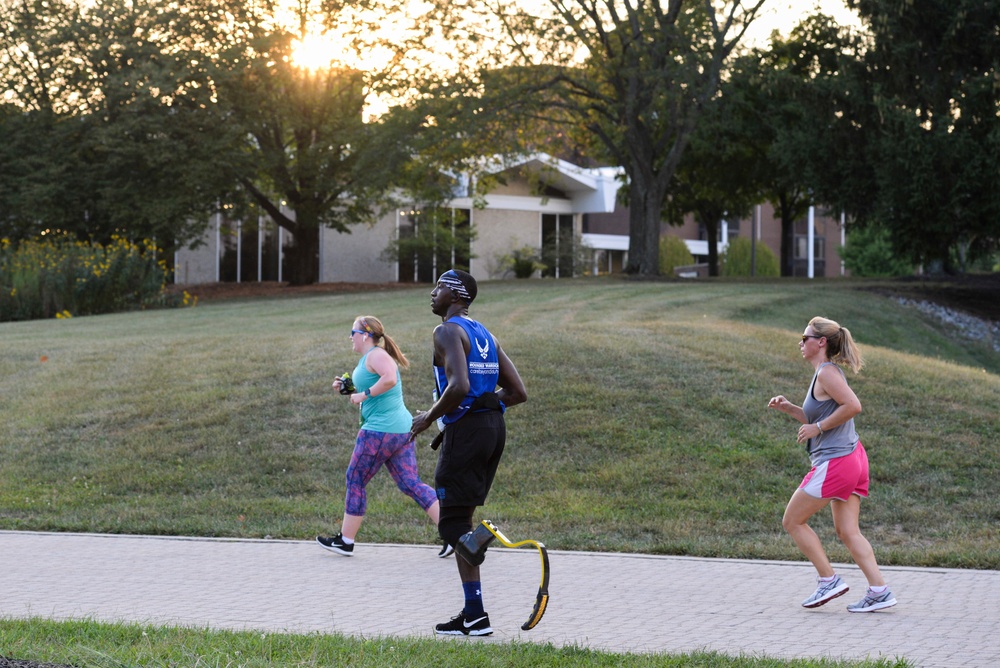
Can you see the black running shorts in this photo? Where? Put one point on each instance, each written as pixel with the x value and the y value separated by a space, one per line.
pixel 468 460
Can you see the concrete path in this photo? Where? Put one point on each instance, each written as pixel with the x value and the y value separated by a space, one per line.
pixel 615 602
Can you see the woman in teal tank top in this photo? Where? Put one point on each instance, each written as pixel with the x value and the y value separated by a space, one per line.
pixel 384 438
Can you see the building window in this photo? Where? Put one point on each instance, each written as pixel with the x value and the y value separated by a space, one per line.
pixel 725 230
pixel 801 248
pixel 249 250
pixel 732 229
pixel 558 246
pixel 433 240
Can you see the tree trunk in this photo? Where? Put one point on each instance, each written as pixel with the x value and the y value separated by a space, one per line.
pixel 787 237
pixel 302 256
pixel 712 232
pixel 645 216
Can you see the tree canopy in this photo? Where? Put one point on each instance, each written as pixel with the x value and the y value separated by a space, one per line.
pixel 104 111
pixel 783 106
pixel 634 76
pixel 145 116
pixel 932 133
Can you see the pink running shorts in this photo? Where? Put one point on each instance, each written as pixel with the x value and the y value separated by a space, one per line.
pixel 840 477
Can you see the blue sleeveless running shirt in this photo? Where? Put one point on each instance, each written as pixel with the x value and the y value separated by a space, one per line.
pixel 484 366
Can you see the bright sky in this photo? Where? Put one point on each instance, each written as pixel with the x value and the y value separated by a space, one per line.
pixel 318 49
pixel 783 15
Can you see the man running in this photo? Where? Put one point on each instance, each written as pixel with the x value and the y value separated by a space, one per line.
pixel 476 382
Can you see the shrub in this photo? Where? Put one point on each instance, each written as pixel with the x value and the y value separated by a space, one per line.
pixel 60 277
pixel 736 259
pixel 869 253
pixel 673 253
pixel 523 262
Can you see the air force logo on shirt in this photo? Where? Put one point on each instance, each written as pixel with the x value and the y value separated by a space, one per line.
pixel 484 368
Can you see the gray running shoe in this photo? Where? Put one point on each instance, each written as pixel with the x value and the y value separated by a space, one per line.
pixel 872 602
pixel 826 592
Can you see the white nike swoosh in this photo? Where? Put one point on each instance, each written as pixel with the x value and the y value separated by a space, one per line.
pixel 473 622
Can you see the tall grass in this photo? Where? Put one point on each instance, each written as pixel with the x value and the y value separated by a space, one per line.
pixel 646 428
pixel 61 277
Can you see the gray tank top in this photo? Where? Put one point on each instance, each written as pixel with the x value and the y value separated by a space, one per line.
pixel 832 443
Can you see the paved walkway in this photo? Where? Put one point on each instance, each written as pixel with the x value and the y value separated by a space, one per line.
pixel 615 602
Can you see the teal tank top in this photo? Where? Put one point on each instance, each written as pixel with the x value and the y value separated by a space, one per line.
pixel 387 412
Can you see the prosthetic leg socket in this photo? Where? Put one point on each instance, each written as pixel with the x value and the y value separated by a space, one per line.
pixel 472 546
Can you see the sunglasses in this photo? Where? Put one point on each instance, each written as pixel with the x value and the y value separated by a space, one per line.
pixel 357 331
pixel 810 336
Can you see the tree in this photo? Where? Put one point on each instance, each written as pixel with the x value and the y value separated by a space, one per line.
pixel 145 116
pixel 647 70
pixel 38 190
pixel 307 152
pixel 310 157
pixel 433 238
pixel 106 110
pixel 716 177
pixel 786 105
pixel 932 128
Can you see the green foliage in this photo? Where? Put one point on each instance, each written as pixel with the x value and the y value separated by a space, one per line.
pixel 922 131
pixel 142 117
pixel 61 278
pixel 523 262
pixel 633 76
pixel 433 238
pixel 719 175
pixel 568 257
pixel 869 252
pixel 783 112
pixel 673 253
pixel 737 259
pixel 310 159
pixel 105 121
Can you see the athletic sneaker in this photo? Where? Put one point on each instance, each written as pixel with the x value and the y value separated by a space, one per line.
pixel 336 544
pixel 826 592
pixel 446 551
pixel 872 601
pixel 461 626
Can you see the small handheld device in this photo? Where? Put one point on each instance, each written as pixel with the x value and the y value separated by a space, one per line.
pixel 346 384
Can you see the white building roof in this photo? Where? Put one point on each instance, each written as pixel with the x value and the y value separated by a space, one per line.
pixel 588 190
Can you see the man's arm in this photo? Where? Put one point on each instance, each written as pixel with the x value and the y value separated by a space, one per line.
pixel 512 390
pixel 450 346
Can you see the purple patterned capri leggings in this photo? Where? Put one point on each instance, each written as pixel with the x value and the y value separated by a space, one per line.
pixel 398 453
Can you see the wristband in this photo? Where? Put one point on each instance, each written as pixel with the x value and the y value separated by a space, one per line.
pixel 368 393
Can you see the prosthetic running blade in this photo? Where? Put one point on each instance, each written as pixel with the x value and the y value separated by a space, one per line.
pixel 542 600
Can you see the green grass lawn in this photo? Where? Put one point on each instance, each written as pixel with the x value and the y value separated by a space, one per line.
pixel 90 645
pixel 646 428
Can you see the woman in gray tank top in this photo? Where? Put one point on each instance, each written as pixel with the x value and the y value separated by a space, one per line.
pixel 839 474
